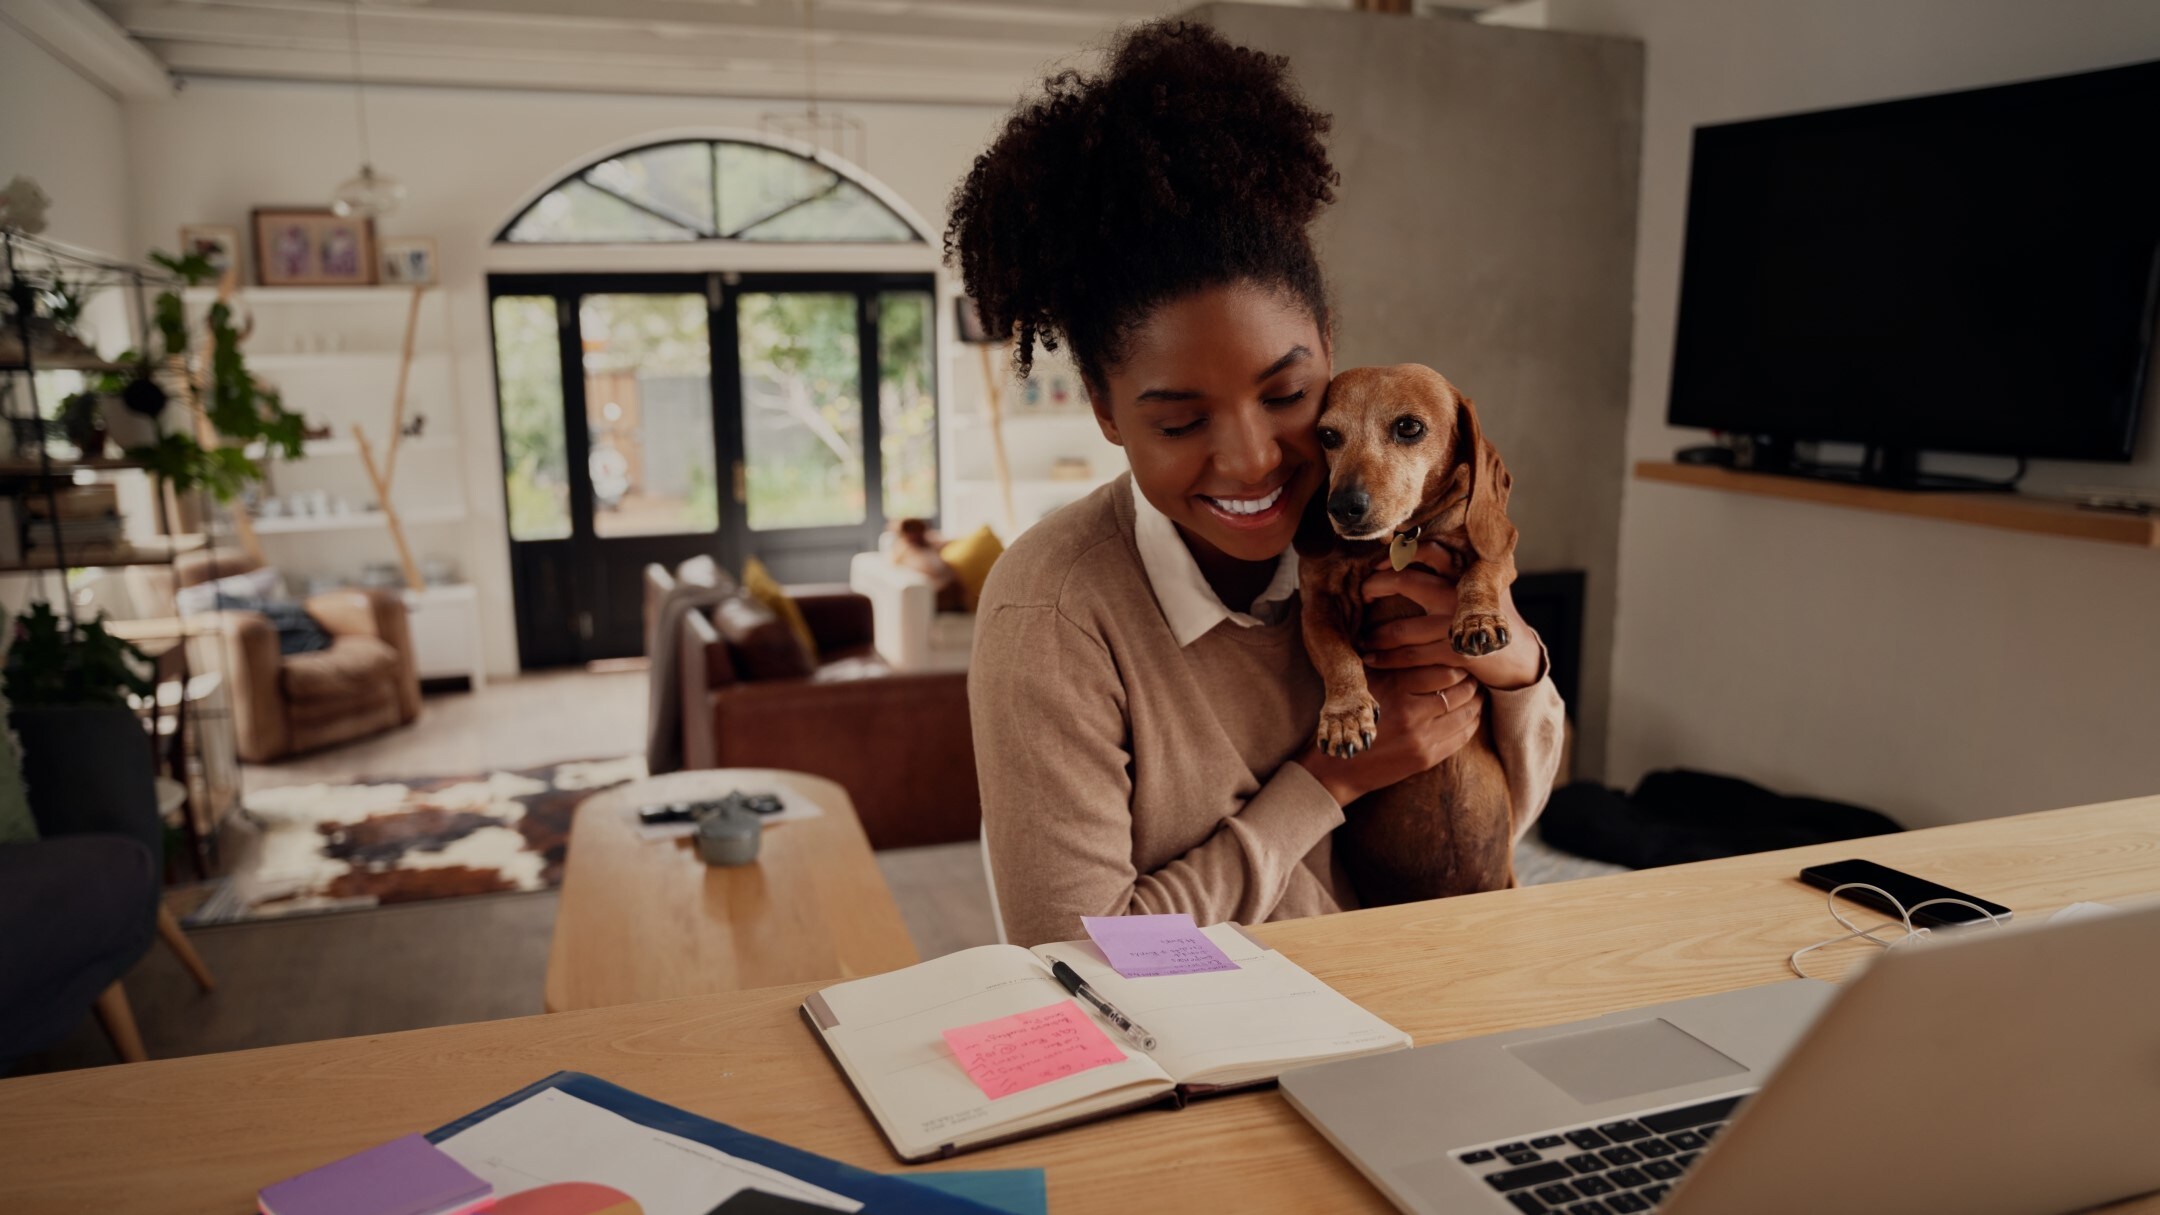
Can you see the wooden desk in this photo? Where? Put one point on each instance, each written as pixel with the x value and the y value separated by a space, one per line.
pixel 202 1134
pixel 647 920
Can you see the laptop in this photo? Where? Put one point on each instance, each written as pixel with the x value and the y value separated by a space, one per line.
pixel 1984 1071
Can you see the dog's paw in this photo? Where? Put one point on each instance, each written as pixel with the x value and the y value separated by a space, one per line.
pixel 1348 726
pixel 1477 634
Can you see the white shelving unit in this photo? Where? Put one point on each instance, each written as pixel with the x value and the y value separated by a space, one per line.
pixel 333 353
pixel 297 525
pixel 445 623
pixel 1036 438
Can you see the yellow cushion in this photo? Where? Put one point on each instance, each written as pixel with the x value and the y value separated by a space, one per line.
pixel 971 557
pixel 767 590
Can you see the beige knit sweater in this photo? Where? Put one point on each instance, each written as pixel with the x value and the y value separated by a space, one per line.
pixel 1123 774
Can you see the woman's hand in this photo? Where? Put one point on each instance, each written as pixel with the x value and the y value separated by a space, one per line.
pixel 1427 713
pixel 1422 641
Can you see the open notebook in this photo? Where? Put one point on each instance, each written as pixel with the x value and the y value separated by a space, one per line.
pixel 1219 1030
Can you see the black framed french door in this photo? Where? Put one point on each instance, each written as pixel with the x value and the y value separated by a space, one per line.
pixel 655 417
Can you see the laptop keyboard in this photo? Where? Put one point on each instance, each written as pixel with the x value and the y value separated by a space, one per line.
pixel 1604 1168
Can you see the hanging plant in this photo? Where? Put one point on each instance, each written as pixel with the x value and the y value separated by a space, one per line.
pixel 238 407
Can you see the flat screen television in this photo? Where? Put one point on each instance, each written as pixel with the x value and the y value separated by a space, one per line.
pixel 1970 272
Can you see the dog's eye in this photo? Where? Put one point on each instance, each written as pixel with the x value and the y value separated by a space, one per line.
pixel 1330 439
pixel 1409 429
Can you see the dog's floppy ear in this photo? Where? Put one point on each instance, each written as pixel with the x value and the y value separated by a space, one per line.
pixel 1486 519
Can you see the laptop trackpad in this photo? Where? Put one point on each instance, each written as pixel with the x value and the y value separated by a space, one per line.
pixel 1624 1061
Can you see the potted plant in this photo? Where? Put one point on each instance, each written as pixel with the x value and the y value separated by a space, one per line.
pixel 85 756
pixel 122 407
pixel 46 310
pixel 82 417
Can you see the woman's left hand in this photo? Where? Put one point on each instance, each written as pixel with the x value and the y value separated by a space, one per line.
pixel 1421 641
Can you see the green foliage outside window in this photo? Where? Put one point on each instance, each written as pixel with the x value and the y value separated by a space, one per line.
pixel 528 373
pixel 907 405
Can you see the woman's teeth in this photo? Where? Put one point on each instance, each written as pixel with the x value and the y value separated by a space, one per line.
pixel 1246 506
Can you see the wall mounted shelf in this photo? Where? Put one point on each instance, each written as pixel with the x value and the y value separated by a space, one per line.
pixel 2009 512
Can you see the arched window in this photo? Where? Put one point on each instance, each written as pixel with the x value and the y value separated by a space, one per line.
pixel 707 189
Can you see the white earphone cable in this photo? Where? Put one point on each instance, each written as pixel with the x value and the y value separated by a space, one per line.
pixel 1903 921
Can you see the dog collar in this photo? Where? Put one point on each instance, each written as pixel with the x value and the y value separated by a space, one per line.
pixel 1403 548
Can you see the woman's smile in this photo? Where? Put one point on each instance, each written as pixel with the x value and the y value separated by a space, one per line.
pixel 1251 512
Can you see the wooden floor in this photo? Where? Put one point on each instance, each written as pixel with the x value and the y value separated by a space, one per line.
pixel 333 976
pixel 453 960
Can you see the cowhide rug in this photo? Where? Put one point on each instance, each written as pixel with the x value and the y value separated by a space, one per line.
pixel 338 847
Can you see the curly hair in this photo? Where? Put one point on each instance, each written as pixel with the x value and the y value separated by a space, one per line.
pixel 1188 163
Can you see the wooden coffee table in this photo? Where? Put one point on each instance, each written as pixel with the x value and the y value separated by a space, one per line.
pixel 647 920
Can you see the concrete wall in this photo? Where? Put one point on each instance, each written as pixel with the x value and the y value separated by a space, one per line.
pixel 1486 226
pixel 468 159
pixel 68 134
pixel 1937 672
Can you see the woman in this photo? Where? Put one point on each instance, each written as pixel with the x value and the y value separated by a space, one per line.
pixel 1143 707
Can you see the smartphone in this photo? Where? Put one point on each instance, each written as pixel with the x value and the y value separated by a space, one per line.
pixel 1903 887
pixel 654 816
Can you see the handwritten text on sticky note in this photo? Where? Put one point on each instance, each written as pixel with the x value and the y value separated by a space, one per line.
pixel 1018 1052
pixel 1145 946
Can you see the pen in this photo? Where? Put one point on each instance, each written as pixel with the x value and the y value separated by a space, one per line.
pixel 1079 987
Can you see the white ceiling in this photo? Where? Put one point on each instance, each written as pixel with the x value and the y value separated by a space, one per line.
pixel 912 50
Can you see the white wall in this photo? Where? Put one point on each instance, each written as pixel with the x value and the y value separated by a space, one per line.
pixel 1937 672
pixel 468 157
pixel 68 134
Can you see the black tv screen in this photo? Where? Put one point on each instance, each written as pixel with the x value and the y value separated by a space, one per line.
pixel 1971 272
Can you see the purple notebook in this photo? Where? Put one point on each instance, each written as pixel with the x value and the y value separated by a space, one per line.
pixel 408 1176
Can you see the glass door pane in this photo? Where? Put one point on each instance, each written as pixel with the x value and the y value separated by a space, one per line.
pixel 528 376
pixel 907 405
pixel 801 410
pixel 648 412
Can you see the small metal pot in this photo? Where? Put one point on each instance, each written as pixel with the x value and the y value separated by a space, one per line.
pixel 727 836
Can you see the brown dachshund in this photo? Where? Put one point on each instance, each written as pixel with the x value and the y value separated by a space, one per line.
pixel 1407 463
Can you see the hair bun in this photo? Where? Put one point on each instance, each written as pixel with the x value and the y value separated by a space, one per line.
pixel 1187 160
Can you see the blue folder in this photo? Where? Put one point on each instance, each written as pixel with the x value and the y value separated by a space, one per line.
pixel 878 1193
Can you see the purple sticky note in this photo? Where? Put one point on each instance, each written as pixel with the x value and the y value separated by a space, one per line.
pixel 1147 946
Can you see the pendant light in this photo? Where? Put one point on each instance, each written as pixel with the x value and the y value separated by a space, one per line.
pixel 367 194
pixel 828 130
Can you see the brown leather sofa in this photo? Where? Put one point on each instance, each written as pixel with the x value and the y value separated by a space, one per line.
pixel 898 742
pixel 283 704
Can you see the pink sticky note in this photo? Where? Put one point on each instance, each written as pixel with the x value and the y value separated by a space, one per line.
pixel 1146 946
pixel 1016 1053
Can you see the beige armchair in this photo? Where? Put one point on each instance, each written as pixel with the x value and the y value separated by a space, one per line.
pixel 283 704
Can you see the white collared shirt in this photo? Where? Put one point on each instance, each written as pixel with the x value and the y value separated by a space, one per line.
pixel 1188 603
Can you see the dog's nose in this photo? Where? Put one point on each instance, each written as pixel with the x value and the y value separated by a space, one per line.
pixel 1348 505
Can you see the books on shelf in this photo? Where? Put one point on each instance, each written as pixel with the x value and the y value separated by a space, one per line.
pixel 92 501
pixel 1222 1029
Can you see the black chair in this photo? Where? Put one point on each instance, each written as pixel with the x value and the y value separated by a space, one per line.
pixel 90 798
pixel 76 913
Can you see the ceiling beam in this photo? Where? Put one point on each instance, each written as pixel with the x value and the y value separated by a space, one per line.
pixel 511 23
pixel 749 79
pixel 83 37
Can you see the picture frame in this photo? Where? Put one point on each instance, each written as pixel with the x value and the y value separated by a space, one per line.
pixel 220 243
pixel 409 261
pixel 313 247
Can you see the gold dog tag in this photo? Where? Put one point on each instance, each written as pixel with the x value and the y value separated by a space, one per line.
pixel 1402 550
